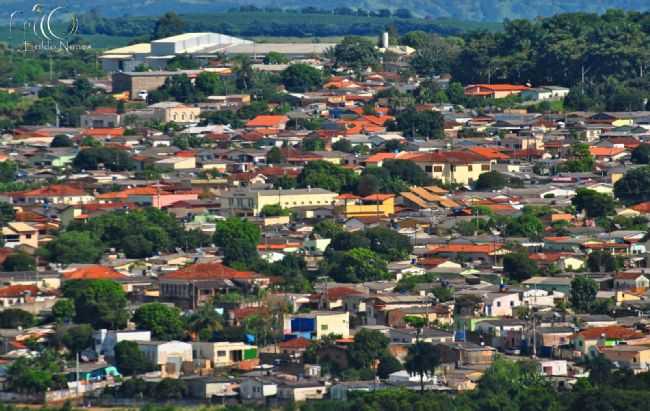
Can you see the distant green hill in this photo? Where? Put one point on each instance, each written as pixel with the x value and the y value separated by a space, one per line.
pixel 476 10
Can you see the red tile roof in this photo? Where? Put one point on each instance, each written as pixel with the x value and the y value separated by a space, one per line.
pixel 336 293
pixel 208 271
pixel 616 332
pixel 295 344
pixel 465 248
pixel 103 132
pixel 14 291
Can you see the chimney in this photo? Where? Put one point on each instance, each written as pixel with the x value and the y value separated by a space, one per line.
pixel 384 40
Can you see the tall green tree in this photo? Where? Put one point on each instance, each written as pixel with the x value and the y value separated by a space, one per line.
pixel 101 303
pixel 583 293
pixel 422 360
pixel 164 321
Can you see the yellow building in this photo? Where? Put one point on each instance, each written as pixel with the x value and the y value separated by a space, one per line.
pixel 458 167
pixel 171 111
pixel 629 356
pixel 318 324
pixel 246 202
pixel 374 205
pixel 20 234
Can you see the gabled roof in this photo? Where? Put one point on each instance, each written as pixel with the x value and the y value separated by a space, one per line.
pixel 295 344
pixel 606 151
pixel 94 272
pixel 489 153
pixel 209 271
pixel 18 291
pixel 616 332
pixel 56 190
pixel 267 121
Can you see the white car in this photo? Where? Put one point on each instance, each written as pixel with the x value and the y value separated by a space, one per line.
pixel 142 95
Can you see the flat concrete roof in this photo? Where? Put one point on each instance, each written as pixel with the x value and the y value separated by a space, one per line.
pixel 284 48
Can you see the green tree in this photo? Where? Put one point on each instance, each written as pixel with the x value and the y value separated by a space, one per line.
pixel 357 53
pixel 129 360
pixel 275 156
pixel 299 78
pixel 170 389
pixel 170 24
pixel 342 145
pixel 100 303
pixel 583 293
pixel 74 247
pixel 7 213
pixel 274 57
pixel 602 261
pixel 164 321
pixel 19 262
pixel 63 310
pixel 641 154
pixel 356 265
pixel 426 124
pixel 15 317
pixel 634 187
pixel 594 204
pixel 388 243
pixel 313 144
pixel 327 228
pixel 388 365
pixel 492 180
pixel 42 112
pixel 422 360
pixel 204 322
pixel 326 175
pixel 274 210
pixel 78 338
pixel 238 238
pixel 111 158
pixel 368 347
pixel 208 83
pixel 61 140
pixel 519 267
pixel 581 159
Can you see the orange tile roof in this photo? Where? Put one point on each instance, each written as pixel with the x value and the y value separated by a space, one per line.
pixel 55 190
pixel 347 196
pixel 606 151
pixel 642 207
pixel 208 271
pixel 18 291
pixel 499 87
pixel 94 272
pixel 267 121
pixel 378 157
pixel 103 132
pixel 489 153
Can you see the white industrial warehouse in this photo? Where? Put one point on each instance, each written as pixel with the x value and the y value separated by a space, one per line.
pixel 201 46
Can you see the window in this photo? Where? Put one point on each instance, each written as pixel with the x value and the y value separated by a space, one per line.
pixel 323 327
pixel 428 169
pixel 221 353
pixel 512 303
pixel 469 167
pixel 485 167
pixel 498 303
pixel 437 169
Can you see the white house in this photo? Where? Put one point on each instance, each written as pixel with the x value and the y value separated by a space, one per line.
pixel 168 355
pixel 257 389
pixel 106 340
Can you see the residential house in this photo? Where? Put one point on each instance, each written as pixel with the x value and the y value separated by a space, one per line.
pixel 171 111
pixel 53 194
pixel 587 342
pixel 258 389
pixel 106 340
pixel 277 122
pixel 631 280
pixel 22 294
pixel 249 202
pixel 196 284
pixel 457 167
pixel 374 205
pixel 411 336
pixel 227 354
pixel 317 324
pixel 494 90
pixel 17 234
pixel 101 117
pixel 168 355
pixel 634 357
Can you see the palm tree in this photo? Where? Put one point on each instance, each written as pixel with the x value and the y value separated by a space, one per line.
pixel 422 359
pixel 204 320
